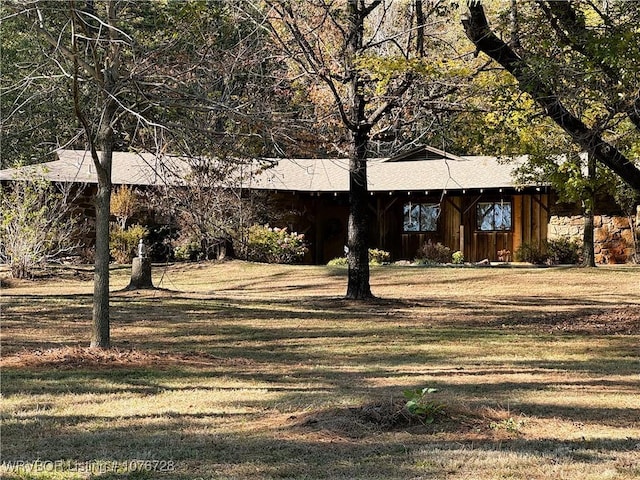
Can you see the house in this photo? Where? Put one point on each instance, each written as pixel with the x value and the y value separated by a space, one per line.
pixel 468 203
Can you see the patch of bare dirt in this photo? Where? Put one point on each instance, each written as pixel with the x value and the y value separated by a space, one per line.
pixel 79 358
pixel 610 321
pixel 392 415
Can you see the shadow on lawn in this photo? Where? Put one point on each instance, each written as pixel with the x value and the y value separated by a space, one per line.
pixel 304 384
pixel 291 333
pixel 309 351
pixel 291 450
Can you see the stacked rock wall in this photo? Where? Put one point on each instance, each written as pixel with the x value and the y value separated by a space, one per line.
pixel 613 235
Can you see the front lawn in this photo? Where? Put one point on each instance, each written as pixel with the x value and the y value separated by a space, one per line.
pixel 240 370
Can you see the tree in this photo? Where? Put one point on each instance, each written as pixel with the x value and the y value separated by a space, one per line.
pixel 132 83
pixel 366 57
pixel 125 203
pixel 629 201
pixel 211 207
pixel 36 224
pixel 88 45
pixel 578 62
pixel 36 113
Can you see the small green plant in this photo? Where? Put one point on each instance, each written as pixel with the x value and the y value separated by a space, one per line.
pixel 124 242
pixel 376 257
pixel 508 424
pixel 338 262
pixel 188 251
pixel 421 405
pixel 457 258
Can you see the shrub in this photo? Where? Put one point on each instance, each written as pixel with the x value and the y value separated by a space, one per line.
pixel 274 245
pixel 338 262
pixel 552 252
pixel 378 257
pixel 123 243
pixel 36 224
pixel 532 253
pixel 433 253
pixel 188 251
pixel 457 258
pixel 563 251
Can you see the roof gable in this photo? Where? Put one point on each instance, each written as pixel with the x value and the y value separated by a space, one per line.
pixel 421 153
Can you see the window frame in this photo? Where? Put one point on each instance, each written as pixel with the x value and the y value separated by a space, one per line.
pixel 496 220
pixel 430 220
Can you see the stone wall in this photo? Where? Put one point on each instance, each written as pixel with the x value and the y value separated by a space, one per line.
pixel 613 235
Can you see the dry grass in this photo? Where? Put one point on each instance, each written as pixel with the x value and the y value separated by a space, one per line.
pixel 238 370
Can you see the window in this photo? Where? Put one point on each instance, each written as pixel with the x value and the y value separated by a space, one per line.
pixel 493 216
pixel 421 217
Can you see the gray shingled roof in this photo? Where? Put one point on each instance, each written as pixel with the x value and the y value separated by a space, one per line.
pixel 76 166
pixel 415 172
pixel 322 175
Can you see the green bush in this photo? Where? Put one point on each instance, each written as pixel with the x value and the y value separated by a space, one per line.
pixel 123 243
pixel 378 257
pixel 552 252
pixel 457 258
pixel 532 253
pixel 433 253
pixel 338 262
pixel 189 251
pixel 274 245
pixel 563 251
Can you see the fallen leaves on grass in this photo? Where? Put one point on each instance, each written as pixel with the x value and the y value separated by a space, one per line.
pixel 72 358
pixel 619 321
pixel 371 419
pixel 610 321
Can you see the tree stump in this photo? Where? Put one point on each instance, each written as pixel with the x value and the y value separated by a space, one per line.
pixel 140 274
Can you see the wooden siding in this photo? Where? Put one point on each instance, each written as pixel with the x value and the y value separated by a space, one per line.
pixel 324 219
pixel 458 221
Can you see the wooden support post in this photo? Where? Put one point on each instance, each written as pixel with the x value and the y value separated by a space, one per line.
pixel 462 239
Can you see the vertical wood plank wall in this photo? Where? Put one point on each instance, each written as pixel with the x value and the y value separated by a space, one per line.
pixel 529 224
pixel 531 219
pixel 323 218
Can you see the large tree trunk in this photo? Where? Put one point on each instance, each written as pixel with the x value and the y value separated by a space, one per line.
pixel 588 255
pixel 100 330
pixel 358 286
pixel 104 140
pixel 100 336
pixel 103 163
